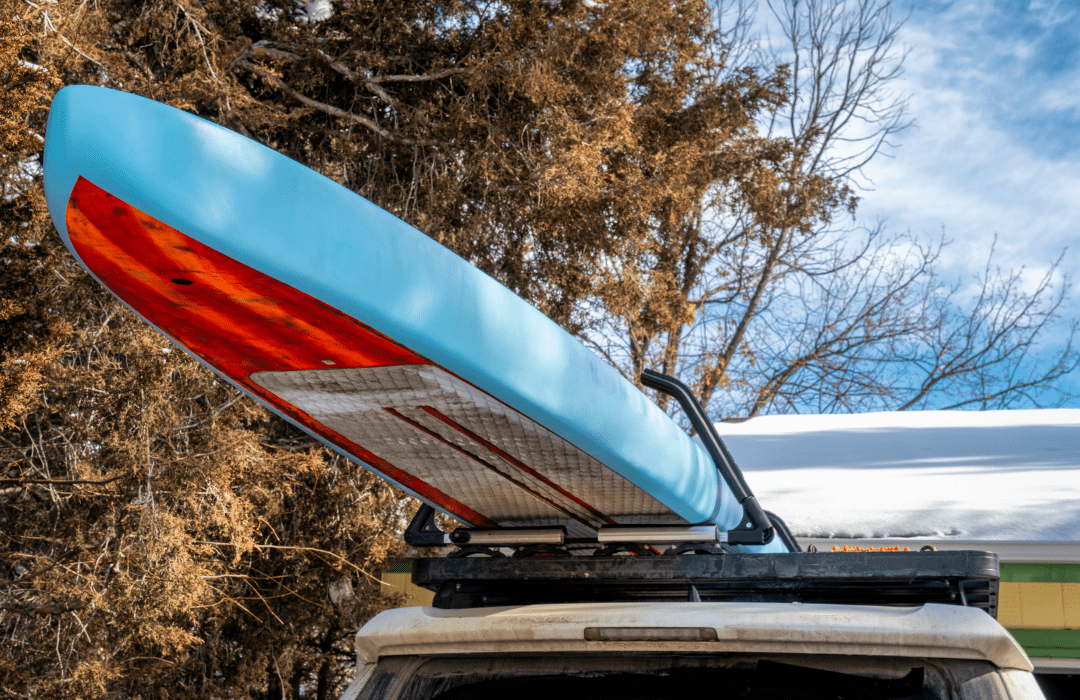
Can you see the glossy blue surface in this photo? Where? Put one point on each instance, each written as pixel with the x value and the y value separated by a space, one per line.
pixel 287 221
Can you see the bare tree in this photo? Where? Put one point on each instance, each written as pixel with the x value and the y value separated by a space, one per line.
pixel 774 298
pixel 843 59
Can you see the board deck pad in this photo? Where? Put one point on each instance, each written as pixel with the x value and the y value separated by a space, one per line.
pixel 458 439
pixel 415 422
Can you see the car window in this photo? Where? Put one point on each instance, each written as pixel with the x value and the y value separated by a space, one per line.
pixel 979 680
pixel 642 677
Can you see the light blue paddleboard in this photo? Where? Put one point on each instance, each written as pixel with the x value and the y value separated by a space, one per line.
pixel 361 330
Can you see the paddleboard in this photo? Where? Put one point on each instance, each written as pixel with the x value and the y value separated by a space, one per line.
pixel 361 330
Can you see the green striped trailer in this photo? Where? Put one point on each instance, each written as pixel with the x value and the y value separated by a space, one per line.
pixel 1038 597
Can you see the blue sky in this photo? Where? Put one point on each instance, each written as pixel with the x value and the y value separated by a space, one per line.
pixel 994 88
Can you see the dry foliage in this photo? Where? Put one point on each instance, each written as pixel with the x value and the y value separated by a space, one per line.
pixel 159 536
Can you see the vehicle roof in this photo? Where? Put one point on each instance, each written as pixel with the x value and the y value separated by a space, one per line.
pixel 931 630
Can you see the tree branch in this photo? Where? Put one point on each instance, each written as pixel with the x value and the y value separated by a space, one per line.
pixel 331 110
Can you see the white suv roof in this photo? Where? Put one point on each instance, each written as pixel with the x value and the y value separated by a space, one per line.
pixel 931 630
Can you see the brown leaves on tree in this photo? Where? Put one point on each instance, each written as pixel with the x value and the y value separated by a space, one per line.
pixel 27 328
pixel 159 535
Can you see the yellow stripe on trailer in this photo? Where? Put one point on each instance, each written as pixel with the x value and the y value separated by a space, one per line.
pixel 397 581
pixel 1039 605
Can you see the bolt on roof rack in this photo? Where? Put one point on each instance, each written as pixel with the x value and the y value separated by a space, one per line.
pixel 622 562
pixel 861 578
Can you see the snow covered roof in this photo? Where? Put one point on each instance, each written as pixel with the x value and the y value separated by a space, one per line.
pixel 938 475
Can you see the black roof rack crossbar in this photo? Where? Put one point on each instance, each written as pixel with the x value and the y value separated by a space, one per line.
pixel 866 578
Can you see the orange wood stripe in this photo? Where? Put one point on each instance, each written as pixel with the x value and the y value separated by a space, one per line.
pixel 237 319
pixel 234 316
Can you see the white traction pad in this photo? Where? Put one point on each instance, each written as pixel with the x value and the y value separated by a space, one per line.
pixel 467 444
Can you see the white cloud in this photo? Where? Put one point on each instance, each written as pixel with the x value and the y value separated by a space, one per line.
pixel 1052 13
pixel 972 165
pixel 995 90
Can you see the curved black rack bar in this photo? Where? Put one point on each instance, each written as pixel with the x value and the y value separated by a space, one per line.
pixel 755 527
pixel 783 532
pixel 422 530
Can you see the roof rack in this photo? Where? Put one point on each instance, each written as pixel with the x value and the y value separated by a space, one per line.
pixel 623 562
pixel 424 532
pixel 862 578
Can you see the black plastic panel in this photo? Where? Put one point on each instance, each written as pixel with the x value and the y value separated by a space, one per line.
pixel 866 578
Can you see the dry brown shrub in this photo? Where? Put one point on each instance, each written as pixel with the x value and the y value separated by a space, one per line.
pixel 159 535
